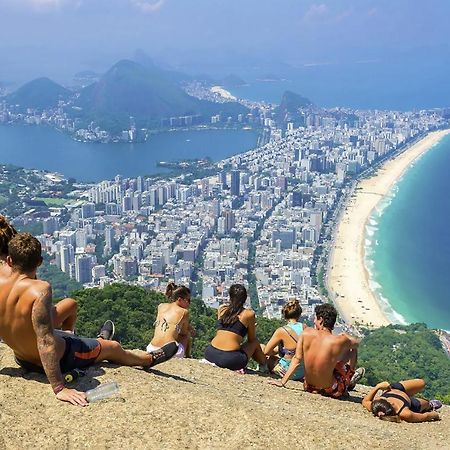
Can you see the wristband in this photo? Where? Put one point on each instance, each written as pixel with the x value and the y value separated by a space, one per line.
pixel 58 388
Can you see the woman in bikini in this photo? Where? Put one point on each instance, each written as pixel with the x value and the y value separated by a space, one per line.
pixel 234 323
pixel 397 402
pixel 65 311
pixel 172 321
pixel 285 338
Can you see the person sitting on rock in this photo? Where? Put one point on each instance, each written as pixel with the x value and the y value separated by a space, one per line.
pixel 64 313
pixel 329 360
pixel 234 323
pixel 285 338
pixel 397 402
pixel 172 321
pixel 26 326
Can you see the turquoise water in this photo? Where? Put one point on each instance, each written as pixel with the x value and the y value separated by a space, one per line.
pixel 408 243
pixel 47 149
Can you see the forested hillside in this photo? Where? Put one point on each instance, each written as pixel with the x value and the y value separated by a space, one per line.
pixel 398 352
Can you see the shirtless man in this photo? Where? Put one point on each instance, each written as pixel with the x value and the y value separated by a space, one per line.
pixel 329 360
pixel 26 326
pixel 64 312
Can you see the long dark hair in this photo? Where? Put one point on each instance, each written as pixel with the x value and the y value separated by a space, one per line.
pixel 382 409
pixel 7 232
pixel 238 296
pixel 173 291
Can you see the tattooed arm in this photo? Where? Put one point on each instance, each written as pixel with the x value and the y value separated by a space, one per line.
pixel 41 317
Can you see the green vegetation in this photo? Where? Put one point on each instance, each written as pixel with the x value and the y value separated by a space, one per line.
pixel 398 352
pixel 51 201
pixel 133 309
pixel 130 89
pixel 41 93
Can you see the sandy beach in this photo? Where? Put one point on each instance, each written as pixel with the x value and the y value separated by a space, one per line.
pixel 348 279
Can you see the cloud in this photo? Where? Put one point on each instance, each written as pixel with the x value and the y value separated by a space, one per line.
pixel 320 13
pixel 316 11
pixel 148 6
pixel 41 5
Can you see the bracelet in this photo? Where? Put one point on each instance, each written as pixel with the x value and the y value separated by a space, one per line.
pixel 58 388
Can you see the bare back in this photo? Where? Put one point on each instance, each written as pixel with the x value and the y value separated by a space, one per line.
pixel 321 352
pixel 172 321
pixel 17 296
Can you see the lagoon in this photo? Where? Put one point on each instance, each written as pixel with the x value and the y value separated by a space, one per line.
pixel 42 147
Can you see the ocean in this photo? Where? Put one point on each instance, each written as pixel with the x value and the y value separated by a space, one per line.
pixel 408 243
pixel 41 147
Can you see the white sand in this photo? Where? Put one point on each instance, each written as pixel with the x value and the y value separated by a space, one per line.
pixel 348 278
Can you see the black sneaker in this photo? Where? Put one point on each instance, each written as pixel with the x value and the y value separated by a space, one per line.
pixel 164 353
pixel 107 331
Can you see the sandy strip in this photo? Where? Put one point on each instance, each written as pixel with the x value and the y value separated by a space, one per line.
pixel 348 279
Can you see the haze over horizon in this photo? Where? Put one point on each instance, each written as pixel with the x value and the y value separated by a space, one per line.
pixel 372 53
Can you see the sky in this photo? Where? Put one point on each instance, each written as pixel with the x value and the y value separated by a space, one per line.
pixel 58 38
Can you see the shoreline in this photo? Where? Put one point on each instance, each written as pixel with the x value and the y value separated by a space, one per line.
pixel 348 279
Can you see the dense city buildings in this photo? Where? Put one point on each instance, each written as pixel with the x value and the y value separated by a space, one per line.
pixel 263 219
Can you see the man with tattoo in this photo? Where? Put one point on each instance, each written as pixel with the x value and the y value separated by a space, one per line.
pixel 26 326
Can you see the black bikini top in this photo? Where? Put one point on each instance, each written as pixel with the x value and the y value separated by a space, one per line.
pixel 237 327
pixel 406 403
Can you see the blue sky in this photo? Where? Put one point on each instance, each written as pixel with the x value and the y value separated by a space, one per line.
pixel 60 37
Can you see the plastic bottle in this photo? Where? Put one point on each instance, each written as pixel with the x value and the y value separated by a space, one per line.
pixel 102 392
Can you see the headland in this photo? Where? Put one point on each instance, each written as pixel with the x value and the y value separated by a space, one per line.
pixel 348 278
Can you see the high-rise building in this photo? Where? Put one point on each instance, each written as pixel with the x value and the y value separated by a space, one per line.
pixel 50 225
pixel 83 268
pixel 88 210
pixel 67 257
pixel 235 182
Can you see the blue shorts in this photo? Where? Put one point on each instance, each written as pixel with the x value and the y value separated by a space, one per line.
pixel 283 365
pixel 80 353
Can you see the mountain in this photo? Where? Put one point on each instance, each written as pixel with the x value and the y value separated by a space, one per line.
pixel 143 59
pixel 41 93
pixel 130 89
pixel 232 81
pixel 290 104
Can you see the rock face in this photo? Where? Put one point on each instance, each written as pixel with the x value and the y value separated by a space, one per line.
pixel 186 404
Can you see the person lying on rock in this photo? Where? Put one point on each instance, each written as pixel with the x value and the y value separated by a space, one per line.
pixel 397 402
pixel 172 321
pixel 64 313
pixel 26 327
pixel 329 360
pixel 227 349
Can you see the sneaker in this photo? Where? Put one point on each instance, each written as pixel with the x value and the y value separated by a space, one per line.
pixel 164 353
pixel 107 331
pixel 435 404
pixel 359 373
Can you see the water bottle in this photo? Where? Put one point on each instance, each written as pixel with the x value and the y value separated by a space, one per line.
pixel 102 392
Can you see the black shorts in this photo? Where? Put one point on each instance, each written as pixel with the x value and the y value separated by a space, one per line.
pixel 415 403
pixel 80 353
pixel 233 360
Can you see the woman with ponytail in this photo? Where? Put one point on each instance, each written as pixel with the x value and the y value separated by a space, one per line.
pixel 227 349
pixel 285 338
pixel 172 321
pixel 65 311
